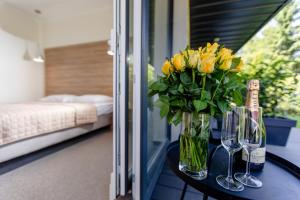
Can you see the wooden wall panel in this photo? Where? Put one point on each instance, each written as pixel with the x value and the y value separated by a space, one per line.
pixel 79 69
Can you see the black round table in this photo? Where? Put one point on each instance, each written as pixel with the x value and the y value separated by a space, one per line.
pixel 280 180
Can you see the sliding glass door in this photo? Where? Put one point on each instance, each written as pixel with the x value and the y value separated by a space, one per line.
pixel 152 38
pixel 143 35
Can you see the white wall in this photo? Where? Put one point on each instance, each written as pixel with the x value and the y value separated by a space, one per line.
pixel 20 80
pixel 88 27
pixel 180 40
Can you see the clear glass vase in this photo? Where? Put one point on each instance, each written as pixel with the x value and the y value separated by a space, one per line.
pixel 194 145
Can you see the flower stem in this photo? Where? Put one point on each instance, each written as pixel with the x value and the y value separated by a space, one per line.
pixel 223 75
pixel 193 73
pixel 203 86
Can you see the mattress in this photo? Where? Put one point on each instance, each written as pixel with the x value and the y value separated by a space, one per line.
pixel 103 108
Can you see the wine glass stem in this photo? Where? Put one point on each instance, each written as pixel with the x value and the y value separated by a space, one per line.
pixel 230 159
pixel 248 164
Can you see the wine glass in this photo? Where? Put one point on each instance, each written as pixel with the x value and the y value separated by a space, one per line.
pixel 250 140
pixel 232 126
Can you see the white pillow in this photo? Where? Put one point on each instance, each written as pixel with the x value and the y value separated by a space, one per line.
pixel 59 98
pixel 94 99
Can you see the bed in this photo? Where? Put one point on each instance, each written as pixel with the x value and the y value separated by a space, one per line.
pixel 27 127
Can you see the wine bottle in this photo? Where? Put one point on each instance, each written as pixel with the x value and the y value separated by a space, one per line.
pixel 258 156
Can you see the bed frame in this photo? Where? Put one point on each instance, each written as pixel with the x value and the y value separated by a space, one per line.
pixel 26 146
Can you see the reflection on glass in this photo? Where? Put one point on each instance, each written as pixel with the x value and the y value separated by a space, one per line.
pixel 157 52
pixel 130 84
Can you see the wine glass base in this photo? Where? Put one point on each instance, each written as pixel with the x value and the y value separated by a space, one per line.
pixel 248 180
pixel 229 184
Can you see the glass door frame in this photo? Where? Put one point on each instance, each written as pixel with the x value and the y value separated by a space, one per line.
pixel 140 187
pixel 119 39
pixel 124 79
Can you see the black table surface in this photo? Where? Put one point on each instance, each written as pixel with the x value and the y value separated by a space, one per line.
pixel 278 184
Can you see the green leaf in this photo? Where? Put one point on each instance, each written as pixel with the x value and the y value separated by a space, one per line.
pixel 199 105
pixel 164 110
pixel 237 98
pixel 170 117
pixel 180 88
pixel 177 103
pixel 173 89
pixel 159 86
pixel 164 98
pixel 235 62
pixel 177 117
pixel 185 78
pixel 212 104
pixel 163 104
pixel 205 95
pixel 151 93
pixel 223 106
pixel 174 76
pixel 212 110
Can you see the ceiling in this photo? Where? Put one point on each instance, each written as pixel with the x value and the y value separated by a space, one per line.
pixel 232 22
pixel 60 9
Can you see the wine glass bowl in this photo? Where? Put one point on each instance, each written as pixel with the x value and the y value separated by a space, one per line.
pixel 251 139
pixel 231 128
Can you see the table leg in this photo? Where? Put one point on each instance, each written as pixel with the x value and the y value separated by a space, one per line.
pixel 183 191
pixel 205 197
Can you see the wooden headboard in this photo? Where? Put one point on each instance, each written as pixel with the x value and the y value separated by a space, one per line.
pixel 79 69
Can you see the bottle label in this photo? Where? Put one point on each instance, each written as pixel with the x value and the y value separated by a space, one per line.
pixel 257 156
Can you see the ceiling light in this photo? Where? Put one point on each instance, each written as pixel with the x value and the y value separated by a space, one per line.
pixel 39 59
pixel 26 55
pixel 111 44
pixel 39 56
pixel 111 53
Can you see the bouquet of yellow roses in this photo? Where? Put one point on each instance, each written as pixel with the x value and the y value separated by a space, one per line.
pixel 198 81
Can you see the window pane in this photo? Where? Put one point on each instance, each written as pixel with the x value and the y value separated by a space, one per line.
pixel 158 50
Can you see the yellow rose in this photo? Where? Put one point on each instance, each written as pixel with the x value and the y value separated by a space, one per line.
pixel 226 64
pixel 225 54
pixel 207 63
pixel 194 59
pixel 225 58
pixel 239 67
pixel 212 48
pixel 178 62
pixel 187 53
pixel 167 68
pixel 200 50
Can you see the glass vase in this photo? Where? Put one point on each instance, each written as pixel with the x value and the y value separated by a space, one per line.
pixel 194 145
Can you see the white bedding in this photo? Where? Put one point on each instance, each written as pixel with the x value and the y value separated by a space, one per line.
pixel 21 121
pixel 104 108
pixel 103 103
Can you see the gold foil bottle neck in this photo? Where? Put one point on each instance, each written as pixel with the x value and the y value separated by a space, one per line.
pixel 253 85
pixel 252 95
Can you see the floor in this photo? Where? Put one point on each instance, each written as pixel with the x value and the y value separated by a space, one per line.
pixel 80 171
pixel 169 187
